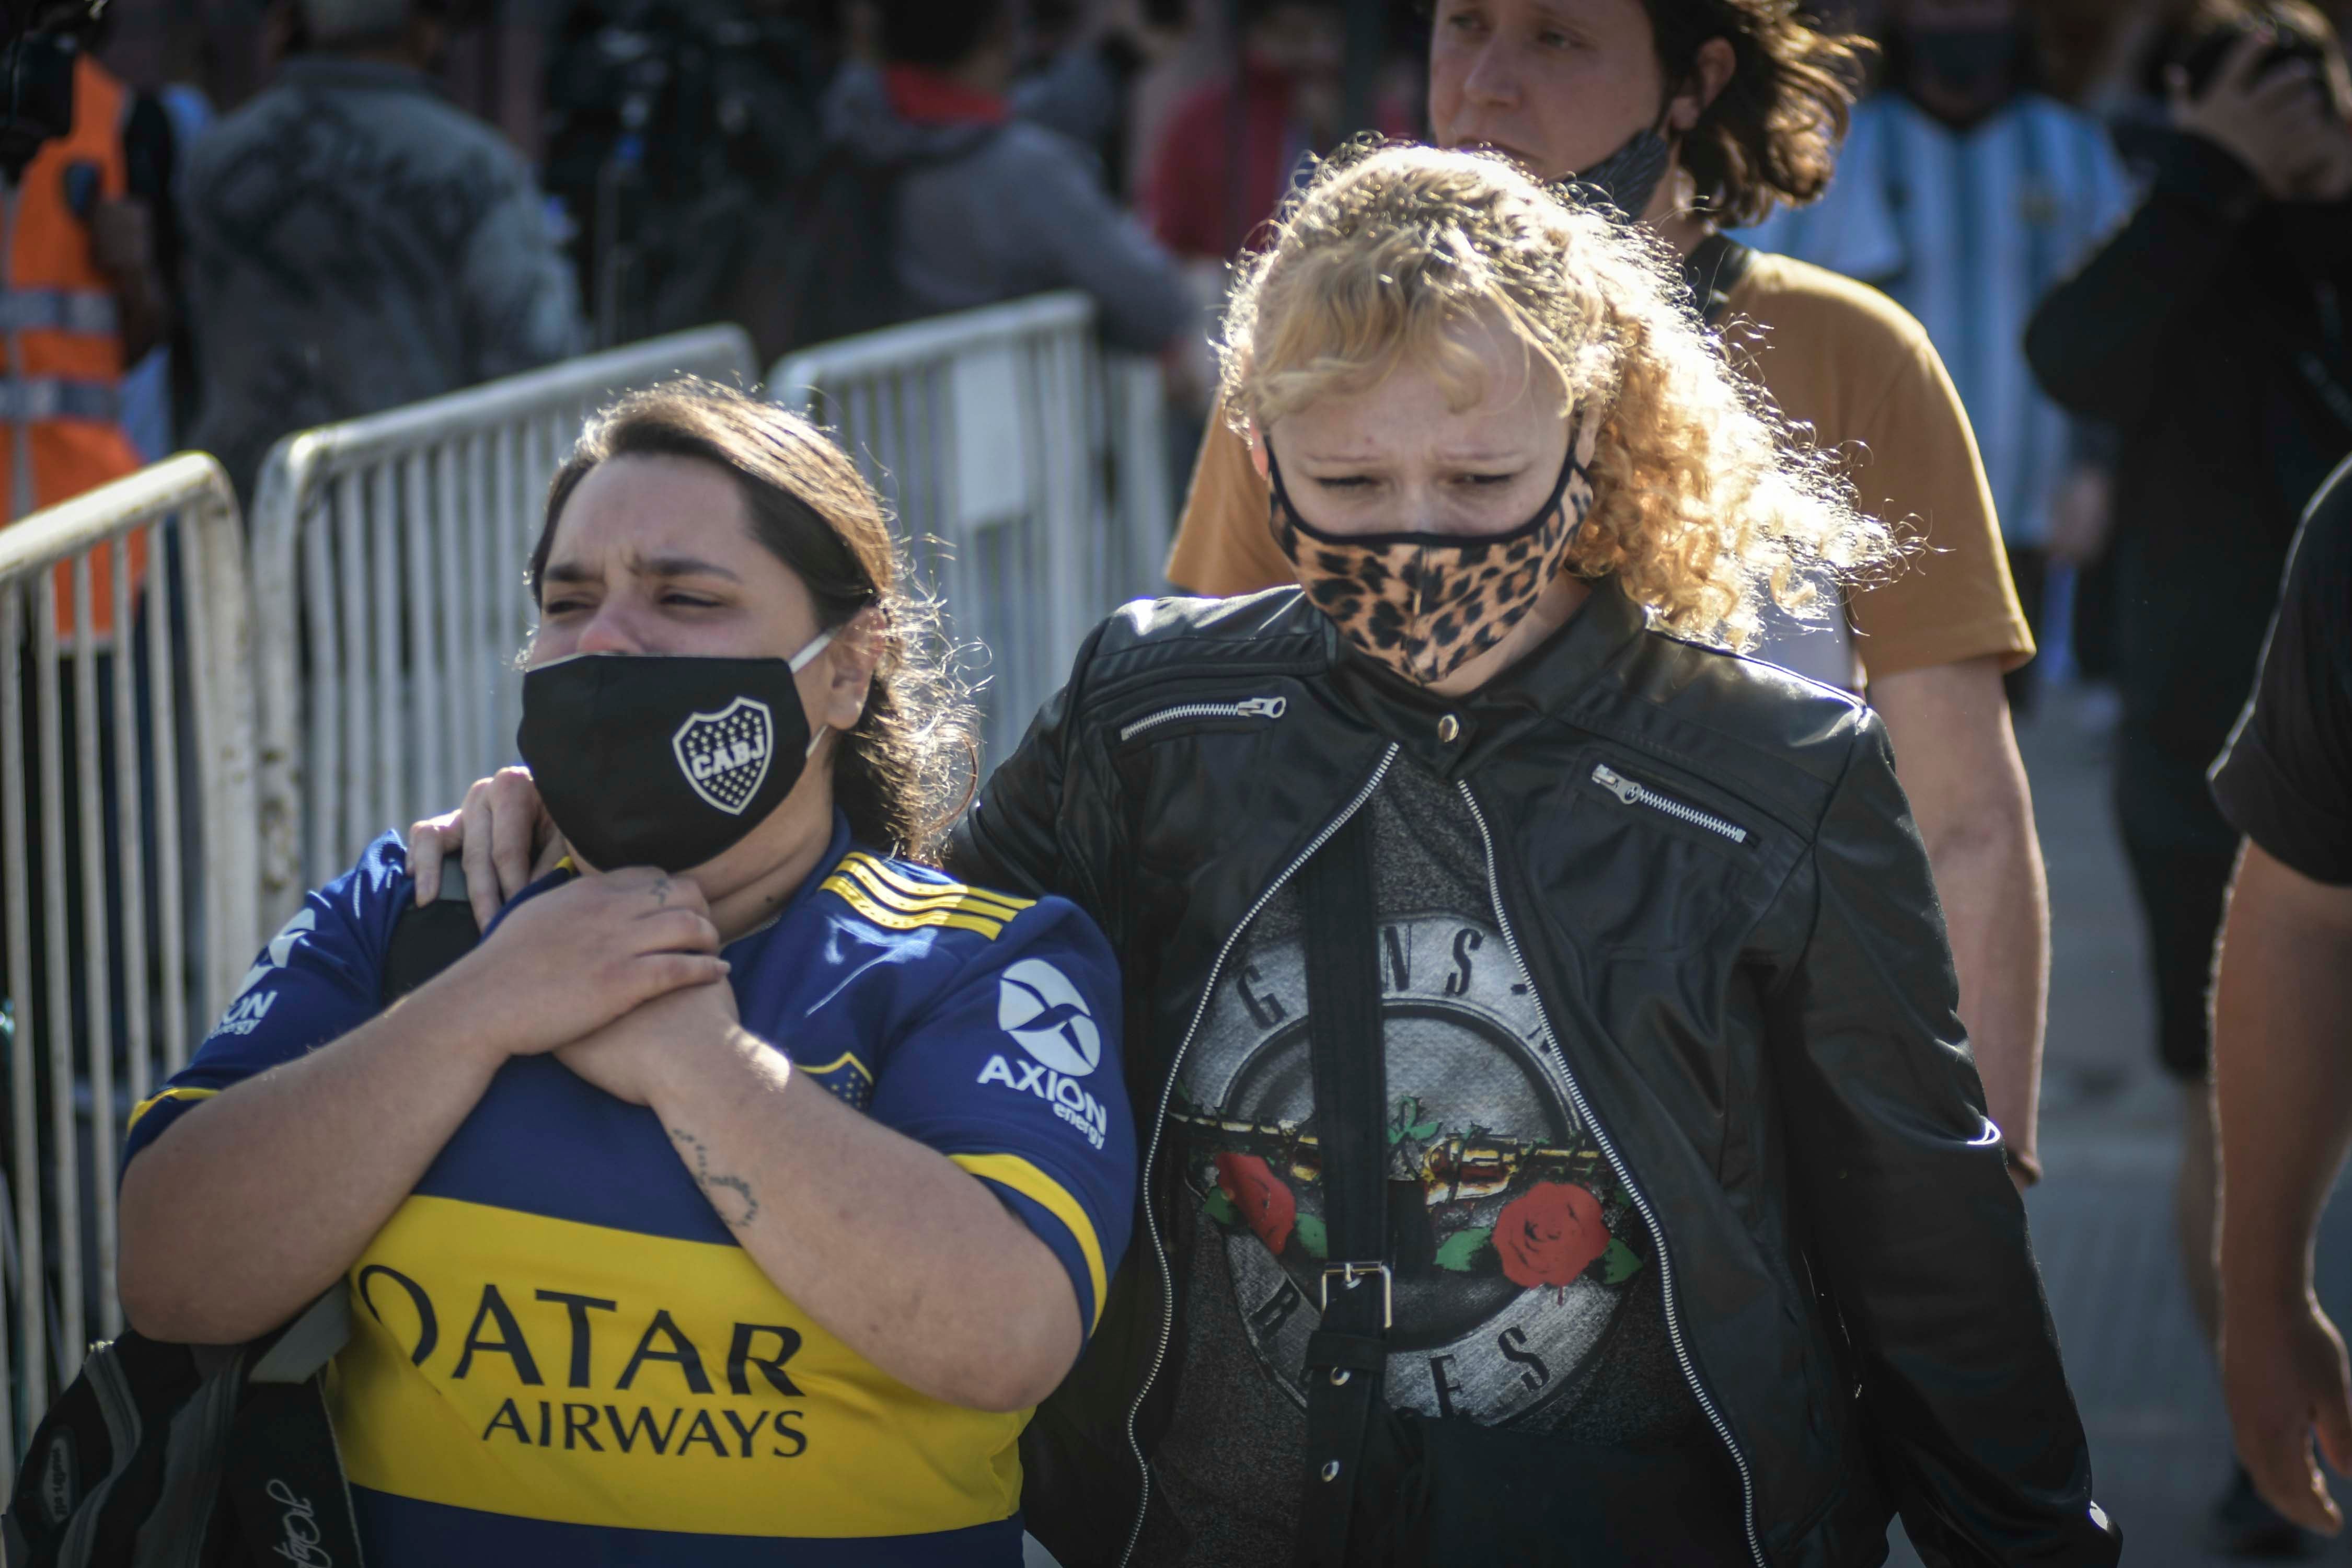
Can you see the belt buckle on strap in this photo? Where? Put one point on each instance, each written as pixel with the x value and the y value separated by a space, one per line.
pixel 1354 1274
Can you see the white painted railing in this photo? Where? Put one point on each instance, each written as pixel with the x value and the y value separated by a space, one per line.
pixel 388 558
pixel 1027 470
pixel 126 843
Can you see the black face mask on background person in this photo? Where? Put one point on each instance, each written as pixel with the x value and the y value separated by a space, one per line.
pixel 1965 59
pixel 653 759
pixel 1628 178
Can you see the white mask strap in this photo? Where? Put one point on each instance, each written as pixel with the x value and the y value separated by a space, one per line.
pixel 799 662
pixel 817 645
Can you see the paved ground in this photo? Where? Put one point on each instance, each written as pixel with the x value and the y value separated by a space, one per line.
pixel 2102 1219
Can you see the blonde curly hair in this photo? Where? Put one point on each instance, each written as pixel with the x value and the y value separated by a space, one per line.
pixel 1703 502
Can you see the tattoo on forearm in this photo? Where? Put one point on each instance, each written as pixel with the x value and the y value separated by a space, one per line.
pixel 731 1195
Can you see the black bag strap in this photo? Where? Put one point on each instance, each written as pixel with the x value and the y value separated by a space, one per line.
pixel 428 939
pixel 1712 271
pixel 1348 1354
pixel 283 1478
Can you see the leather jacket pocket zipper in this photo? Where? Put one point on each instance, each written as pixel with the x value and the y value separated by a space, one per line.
pixel 1248 708
pixel 1629 792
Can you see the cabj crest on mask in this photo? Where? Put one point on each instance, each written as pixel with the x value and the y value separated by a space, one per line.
pixel 725 754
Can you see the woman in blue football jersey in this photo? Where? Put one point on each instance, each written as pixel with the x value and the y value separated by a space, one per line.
pixel 744 1183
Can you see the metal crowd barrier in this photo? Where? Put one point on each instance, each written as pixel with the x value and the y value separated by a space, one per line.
pixel 161 808
pixel 1027 468
pixel 388 563
pixel 127 841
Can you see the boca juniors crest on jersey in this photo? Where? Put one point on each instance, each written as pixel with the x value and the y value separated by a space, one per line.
pixel 725 754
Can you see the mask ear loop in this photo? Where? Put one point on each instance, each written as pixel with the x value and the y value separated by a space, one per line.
pixel 1583 440
pixel 816 644
pixel 800 661
pixel 1278 496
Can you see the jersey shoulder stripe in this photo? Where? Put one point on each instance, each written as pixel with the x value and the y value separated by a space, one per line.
pixel 1018 1174
pixel 878 893
pixel 888 919
pixel 896 884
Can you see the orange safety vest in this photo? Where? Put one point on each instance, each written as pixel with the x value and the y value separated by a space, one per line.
pixel 61 347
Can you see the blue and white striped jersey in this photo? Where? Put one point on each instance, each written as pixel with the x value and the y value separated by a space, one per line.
pixel 1967 230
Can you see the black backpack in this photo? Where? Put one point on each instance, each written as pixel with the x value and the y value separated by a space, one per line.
pixel 170 1456
pixel 191 1456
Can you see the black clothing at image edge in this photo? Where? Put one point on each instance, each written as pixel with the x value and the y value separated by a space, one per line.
pixel 2193 332
pixel 2210 333
pixel 2285 780
pixel 1703 868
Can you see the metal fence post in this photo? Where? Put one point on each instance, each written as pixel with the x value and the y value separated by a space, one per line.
pixel 101 996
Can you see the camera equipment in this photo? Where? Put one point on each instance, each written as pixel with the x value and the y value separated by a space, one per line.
pixel 37 99
pixel 37 75
pixel 674 123
pixel 2201 61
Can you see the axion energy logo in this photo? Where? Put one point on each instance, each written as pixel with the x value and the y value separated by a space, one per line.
pixel 1060 1044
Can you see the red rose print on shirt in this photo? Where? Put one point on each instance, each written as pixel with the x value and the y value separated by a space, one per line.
pixel 1267 1204
pixel 1550 1234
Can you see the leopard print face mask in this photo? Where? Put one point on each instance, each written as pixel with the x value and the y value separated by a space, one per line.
pixel 1426 603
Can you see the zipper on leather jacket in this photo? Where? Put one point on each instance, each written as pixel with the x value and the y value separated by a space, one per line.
pixel 1629 792
pixel 1248 708
pixel 1159 1123
pixel 1556 1058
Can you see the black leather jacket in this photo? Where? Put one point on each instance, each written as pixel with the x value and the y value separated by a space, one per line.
pixel 1761 1033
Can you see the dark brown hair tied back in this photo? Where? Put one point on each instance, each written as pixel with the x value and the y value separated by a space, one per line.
pixel 907 770
pixel 1771 138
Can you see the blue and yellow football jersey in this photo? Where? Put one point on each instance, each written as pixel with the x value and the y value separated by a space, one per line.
pixel 559 1353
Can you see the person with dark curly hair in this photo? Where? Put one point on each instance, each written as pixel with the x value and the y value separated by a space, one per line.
pixel 1694 115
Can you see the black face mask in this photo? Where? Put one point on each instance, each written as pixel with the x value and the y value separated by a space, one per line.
pixel 1966 59
pixel 643 760
pixel 1628 178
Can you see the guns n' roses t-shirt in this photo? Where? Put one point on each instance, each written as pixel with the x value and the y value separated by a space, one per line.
pixel 1526 1292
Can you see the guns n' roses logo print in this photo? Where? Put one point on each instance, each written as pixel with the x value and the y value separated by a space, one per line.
pixel 1514 1245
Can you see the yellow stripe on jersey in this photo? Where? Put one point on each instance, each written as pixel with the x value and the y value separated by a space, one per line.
pixel 845 1059
pixel 1013 1171
pixel 152 1101
pixel 903 892
pixel 552 1370
pixel 916 888
pixel 892 919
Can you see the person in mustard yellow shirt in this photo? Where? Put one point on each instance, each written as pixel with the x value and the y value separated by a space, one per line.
pixel 1691 113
